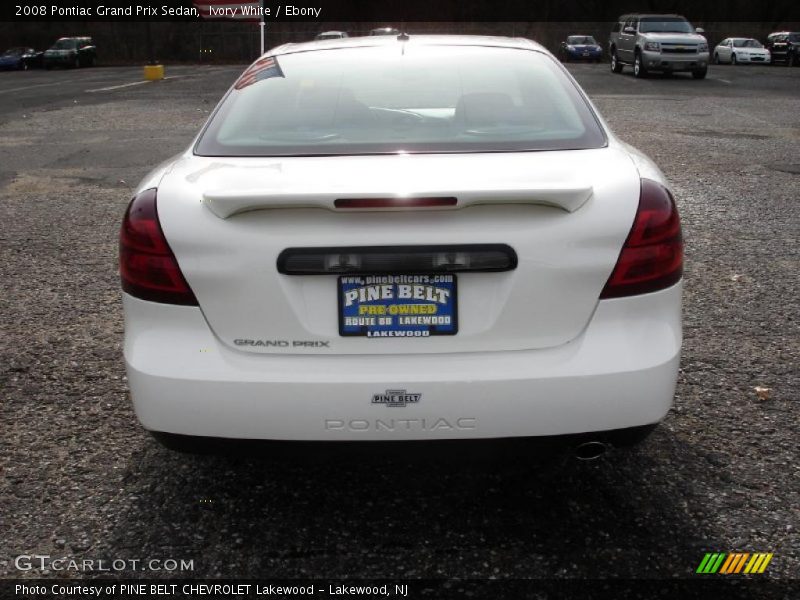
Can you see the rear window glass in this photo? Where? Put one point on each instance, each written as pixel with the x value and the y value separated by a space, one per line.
pixel 390 99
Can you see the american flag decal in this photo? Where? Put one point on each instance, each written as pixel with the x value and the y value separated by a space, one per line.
pixel 227 9
pixel 263 68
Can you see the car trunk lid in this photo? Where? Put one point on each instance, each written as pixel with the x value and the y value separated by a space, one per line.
pixel 565 214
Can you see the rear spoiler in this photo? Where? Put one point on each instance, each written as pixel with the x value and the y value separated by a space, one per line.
pixel 225 204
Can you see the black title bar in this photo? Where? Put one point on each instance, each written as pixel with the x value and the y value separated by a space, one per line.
pixel 775 12
pixel 700 587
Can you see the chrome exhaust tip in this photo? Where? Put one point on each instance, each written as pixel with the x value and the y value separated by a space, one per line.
pixel 590 450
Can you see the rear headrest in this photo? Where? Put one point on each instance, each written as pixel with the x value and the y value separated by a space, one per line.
pixel 482 109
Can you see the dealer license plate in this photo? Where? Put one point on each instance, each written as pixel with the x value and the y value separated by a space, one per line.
pixel 393 306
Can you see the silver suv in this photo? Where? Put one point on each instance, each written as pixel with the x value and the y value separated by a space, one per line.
pixel 665 43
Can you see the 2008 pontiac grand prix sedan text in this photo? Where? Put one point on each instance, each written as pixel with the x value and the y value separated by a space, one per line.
pixel 403 238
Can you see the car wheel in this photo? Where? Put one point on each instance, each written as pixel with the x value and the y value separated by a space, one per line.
pixel 77 62
pixel 639 69
pixel 616 66
pixel 716 58
pixel 733 59
pixel 23 66
pixel 701 74
pixel 789 60
pixel 190 444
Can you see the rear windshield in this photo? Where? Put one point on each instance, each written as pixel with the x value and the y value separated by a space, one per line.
pixel 391 99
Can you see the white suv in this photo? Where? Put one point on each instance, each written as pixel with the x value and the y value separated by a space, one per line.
pixel 665 43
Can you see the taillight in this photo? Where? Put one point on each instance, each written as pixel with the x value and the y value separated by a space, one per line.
pixel 147 265
pixel 652 257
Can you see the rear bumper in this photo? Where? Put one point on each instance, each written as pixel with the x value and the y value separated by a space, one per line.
pixel 620 372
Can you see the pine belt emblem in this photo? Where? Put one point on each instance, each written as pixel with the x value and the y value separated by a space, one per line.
pixel 396 398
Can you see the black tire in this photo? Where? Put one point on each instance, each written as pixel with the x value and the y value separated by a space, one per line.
pixel 716 58
pixel 701 74
pixel 639 70
pixel 616 66
pixel 733 59
pixel 789 59
pixel 186 444
pixel 210 446
pixel 77 62
pixel 23 65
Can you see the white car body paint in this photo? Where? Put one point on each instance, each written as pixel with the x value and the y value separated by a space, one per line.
pixel 726 50
pixel 537 353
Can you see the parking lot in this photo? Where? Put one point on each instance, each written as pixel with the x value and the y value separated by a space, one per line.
pixel 82 479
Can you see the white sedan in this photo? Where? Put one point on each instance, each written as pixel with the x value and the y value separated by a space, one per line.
pixel 741 50
pixel 403 238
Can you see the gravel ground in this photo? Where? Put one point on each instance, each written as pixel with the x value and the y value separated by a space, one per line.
pixel 82 479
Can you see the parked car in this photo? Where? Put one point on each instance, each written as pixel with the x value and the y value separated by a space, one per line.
pixel 71 52
pixel 740 50
pixel 784 46
pixel 580 47
pixel 441 243
pixel 331 35
pixel 385 31
pixel 666 43
pixel 20 58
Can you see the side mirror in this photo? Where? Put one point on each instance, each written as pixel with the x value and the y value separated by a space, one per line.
pixel 629 30
pixel 699 30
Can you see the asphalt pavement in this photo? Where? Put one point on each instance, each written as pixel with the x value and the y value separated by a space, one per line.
pixel 81 479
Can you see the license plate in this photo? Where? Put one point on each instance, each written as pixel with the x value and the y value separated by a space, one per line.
pixel 393 306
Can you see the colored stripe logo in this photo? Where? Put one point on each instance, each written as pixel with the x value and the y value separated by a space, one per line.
pixel 734 562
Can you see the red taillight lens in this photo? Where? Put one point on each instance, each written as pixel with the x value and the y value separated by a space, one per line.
pixel 146 264
pixel 652 257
